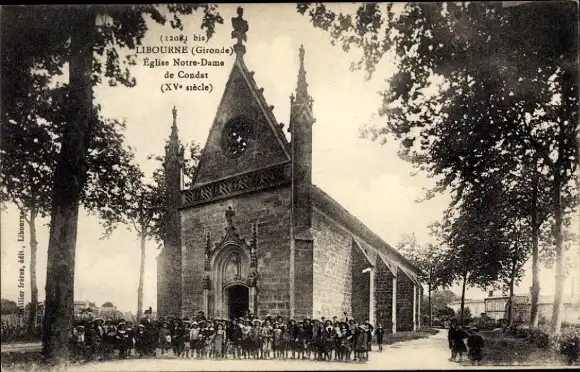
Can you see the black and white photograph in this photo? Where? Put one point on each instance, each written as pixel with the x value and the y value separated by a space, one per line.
pixel 289 186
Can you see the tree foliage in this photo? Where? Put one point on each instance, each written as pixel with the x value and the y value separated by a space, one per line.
pixel 425 257
pixel 442 298
pixel 480 92
pixel 8 307
pixel 87 40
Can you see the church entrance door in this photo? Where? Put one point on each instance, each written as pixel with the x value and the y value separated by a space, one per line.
pixel 238 297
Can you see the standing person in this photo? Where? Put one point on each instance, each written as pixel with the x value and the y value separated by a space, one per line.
pixel 194 339
pixel 300 340
pixel 187 343
pixel 109 340
pixel 459 335
pixel 245 343
pixel 475 344
pixel 150 333
pixel 218 340
pixel 131 333
pixel 277 340
pixel 207 333
pixel 308 328
pixel 235 336
pixel 347 336
pixel 100 337
pixel 141 341
pixel 255 337
pixel 370 329
pixel 203 334
pixel 380 332
pixel 286 341
pixel 360 343
pixel 337 341
pixel 292 330
pixel 178 337
pixel 267 335
pixel 124 341
pixel 92 341
pixel 318 341
pixel 450 338
pixel 78 342
pixel 328 339
pixel 164 338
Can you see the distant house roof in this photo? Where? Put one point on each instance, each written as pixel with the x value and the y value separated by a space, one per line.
pixel 476 301
pixel 505 297
pixel 333 209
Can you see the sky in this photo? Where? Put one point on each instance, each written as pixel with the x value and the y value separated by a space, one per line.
pixel 367 178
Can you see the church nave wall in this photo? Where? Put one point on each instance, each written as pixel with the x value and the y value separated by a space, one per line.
pixel 404 302
pixel 332 276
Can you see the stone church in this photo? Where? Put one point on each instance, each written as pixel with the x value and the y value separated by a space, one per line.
pixel 254 234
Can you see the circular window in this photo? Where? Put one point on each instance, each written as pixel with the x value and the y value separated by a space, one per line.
pixel 236 137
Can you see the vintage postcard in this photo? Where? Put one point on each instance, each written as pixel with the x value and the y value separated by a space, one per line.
pixel 295 186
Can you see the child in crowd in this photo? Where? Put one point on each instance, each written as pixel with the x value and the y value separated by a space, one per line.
pixel 475 345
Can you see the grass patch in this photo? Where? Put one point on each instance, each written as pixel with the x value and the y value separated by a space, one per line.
pixel 506 350
pixel 23 361
pixel 389 339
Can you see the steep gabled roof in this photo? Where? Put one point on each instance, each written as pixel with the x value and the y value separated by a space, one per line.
pixel 258 94
pixel 333 209
pixel 242 98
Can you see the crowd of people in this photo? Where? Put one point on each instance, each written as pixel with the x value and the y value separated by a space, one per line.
pixel 241 338
pixel 474 348
pixel 10 332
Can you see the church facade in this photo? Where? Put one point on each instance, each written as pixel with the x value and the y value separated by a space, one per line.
pixel 254 234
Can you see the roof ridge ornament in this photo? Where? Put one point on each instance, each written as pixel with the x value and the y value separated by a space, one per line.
pixel 240 26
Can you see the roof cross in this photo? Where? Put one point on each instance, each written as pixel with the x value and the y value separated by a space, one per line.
pixel 240 26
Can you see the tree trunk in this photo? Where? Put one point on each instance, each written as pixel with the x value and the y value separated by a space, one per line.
pixel 69 180
pixel 461 311
pixel 141 278
pixel 534 315
pixel 510 303
pixel 33 285
pixel 560 269
pixel 430 308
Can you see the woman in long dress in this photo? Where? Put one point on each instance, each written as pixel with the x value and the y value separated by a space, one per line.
pixel 360 343
pixel 219 339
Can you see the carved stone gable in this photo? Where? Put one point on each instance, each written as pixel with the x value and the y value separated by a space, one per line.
pixel 245 136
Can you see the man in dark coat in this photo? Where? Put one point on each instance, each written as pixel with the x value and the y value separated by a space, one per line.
pixel 150 333
pixel 234 334
pixel 450 337
pixel 380 333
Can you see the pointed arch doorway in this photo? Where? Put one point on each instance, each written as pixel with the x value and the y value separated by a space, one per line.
pixel 237 300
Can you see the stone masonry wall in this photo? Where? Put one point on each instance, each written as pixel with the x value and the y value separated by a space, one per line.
pixel 332 268
pixel 270 209
pixel 383 296
pixel 360 297
pixel 404 302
